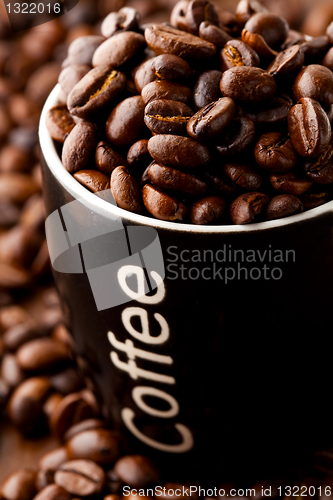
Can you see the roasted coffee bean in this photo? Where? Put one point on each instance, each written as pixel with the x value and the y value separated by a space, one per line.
pixel 190 153
pixel 258 44
pixel 272 113
pixel 71 75
pixel 125 190
pixel 137 471
pixel 274 152
pixel 171 67
pixel 315 48
pixel 53 492
pixel 12 277
pixel 166 40
pixel 14 158
pixel 213 120
pixel 328 59
pixel 213 34
pixel 198 11
pixel 94 92
pixel 144 74
pixel 246 207
pixel 44 478
pixel 294 38
pixel 289 183
pixel 237 53
pixel 118 49
pixel 283 205
pixel 272 28
pixel 97 444
pixel 321 170
pixel 26 402
pixel 208 210
pixel 86 425
pixel 5 391
pixel 314 199
pixel 178 13
pixel 81 51
pixel 51 403
pixel 20 485
pixel 106 159
pixel 125 124
pixel 126 19
pixel 59 123
pixel 16 187
pixel 316 82
pixel 164 116
pixel 138 157
pixel 241 134
pixel 221 183
pixel 243 176
pixel 329 32
pixel 40 354
pixel 207 88
pixel 161 205
pixel 165 89
pixel 246 9
pixel 248 85
pixel 79 147
pixel 71 410
pixel 10 371
pixel 309 128
pixel 80 477
pixel 17 335
pixel 286 62
pixel 53 459
pixel 67 381
pixel 93 180
pixel 167 178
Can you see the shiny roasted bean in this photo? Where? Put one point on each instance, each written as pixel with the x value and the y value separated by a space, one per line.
pixel 208 210
pixel 161 205
pixel 167 178
pixel 164 116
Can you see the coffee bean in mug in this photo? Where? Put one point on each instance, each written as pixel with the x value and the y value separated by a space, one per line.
pixel 79 146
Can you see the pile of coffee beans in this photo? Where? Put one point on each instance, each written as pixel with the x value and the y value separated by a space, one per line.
pixel 210 119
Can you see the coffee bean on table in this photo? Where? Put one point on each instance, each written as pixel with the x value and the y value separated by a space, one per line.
pixel 166 89
pixel 167 40
pixel 59 122
pixel 240 135
pixel 275 153
pixel 167 178
pixel 214 34
pixel 283 205
pixel 106 158
pixel 259 45
pixel 213 120
pixel 44 478
pixel 86 425
pixel 161 205
pixel 274 112
pixel 82 49
pixel 237 53
pixel 97 444
pixel 79 147
pixel 198 11
pixel 53 459
pixel 289 183
pixel 125 124
pixel 164 116
pixel 171 67
pixel 178 152
pixel 53 492
pixel 289 61
pixel 314 81
pixel 126 19
pixel 93 180
pixel 272 28
pixel 246 85
pixel 80 477
pixel 20 485
pixel 309 128
pixel 40 354
pixel 208 210
pixel 94 92
pixel 71 410
pixel 207 88
pixel 67 381
pixel 118 49
pixel 125 190
pixel 137 471
pixel 247 206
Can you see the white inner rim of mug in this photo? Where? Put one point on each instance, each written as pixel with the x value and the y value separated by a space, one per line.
pixel 80 192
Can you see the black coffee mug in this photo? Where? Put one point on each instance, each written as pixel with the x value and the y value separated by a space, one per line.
pixel 209 347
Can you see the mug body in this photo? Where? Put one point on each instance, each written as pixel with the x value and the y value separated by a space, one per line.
pixel 209 347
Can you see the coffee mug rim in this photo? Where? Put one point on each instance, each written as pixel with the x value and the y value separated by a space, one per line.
pixel 77 191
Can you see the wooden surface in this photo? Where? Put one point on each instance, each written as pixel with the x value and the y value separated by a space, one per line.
pixel 16 451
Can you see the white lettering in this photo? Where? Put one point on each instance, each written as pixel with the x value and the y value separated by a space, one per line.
pixel 144 335
pixel 140 295
pixel 140 391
